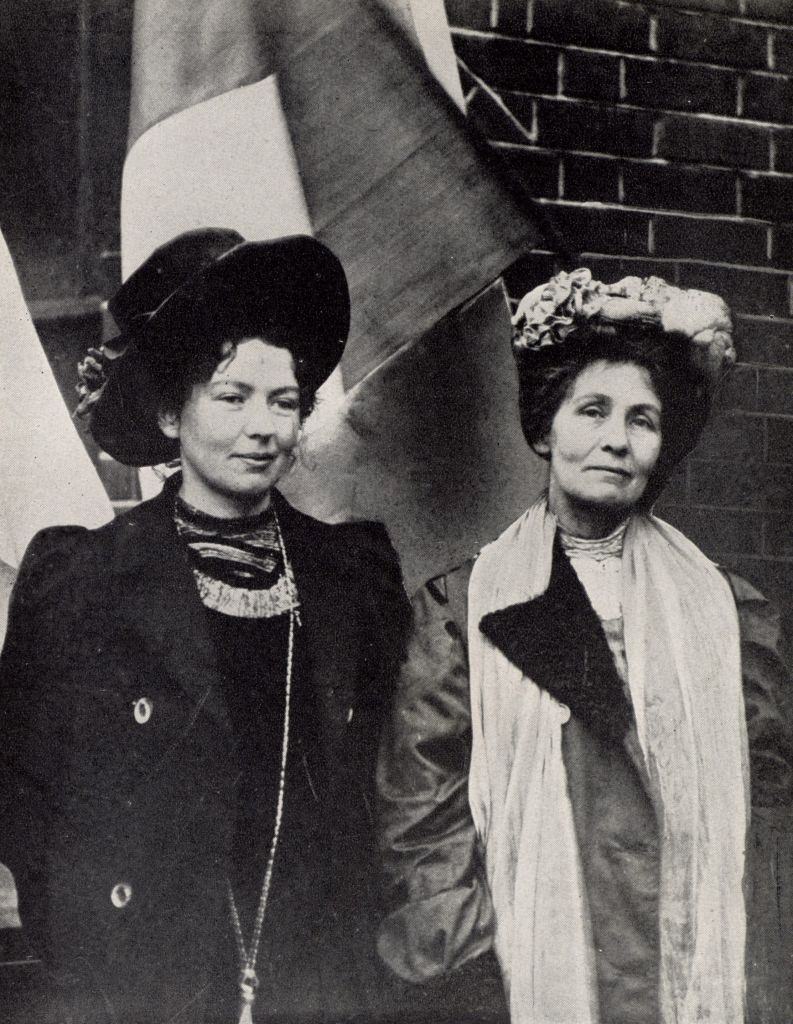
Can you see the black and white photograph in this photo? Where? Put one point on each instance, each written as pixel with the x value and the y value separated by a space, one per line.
pixel 396 512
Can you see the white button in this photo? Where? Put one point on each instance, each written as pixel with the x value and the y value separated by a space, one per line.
pixel 350 712
pixel 143 709
pixel 121 894
pixel 564 713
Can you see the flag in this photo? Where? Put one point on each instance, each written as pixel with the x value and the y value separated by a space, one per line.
pixel 48 477
pixel 342 118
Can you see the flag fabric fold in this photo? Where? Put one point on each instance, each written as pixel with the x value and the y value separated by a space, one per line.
pixel 342 118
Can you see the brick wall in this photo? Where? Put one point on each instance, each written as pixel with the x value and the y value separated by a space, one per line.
pixel 657 139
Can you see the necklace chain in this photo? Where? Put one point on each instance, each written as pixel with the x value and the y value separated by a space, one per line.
pixel 248 980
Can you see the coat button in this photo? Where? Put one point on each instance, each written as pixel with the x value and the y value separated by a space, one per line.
pixel 564 714
pixel 142 710
pixel 350 713
pixel 121 894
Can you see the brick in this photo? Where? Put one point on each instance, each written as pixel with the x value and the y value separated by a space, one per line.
pixel 783 149
pixel 564 124
pixel 593 229
pixel 671 187
pixel 783 51
pixel 766 341
pixel 469 13
pixel 668 86
pixel 717 6
pixel 748 484
pixel 709 38
pixel 536 171
pixel 597 24
pixel 694 140
pixel 729 241
pixel 779 535
pixel 773 578
pixel 775 391
pixel 513 16
pixel 732 436
pixel 782 246
pixel 509 63
pixel 719 531
pixel 726 484
pixel 530 270
pixel 767 197
pixel 780 439
pixel 591 179
pixel 614 268
pixel 777 486
pixel 738 390
pixel 492 121
pixel 746 291
pixel 594 76
pixel 770 10
pixel 768 98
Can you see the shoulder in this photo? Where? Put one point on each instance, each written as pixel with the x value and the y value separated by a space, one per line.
pixel 59 553
pixel 445 598
pixel 758 617
pixel 54 556
pixel 357 546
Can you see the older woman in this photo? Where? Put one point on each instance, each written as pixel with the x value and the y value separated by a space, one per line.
pixel 189 696
pixel 600 849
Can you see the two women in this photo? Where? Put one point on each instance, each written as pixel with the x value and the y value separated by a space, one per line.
pixel 583 810
pixel 190 696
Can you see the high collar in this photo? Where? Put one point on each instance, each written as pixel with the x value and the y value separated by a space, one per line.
pixel 556 640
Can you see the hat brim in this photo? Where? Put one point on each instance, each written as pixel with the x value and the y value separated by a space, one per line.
pixel 294 288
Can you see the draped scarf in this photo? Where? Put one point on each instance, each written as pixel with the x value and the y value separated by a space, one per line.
pixel 682 649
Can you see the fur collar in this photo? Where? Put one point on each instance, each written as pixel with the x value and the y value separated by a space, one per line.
pixel 557 641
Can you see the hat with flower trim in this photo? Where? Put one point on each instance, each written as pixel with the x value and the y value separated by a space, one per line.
pixel 550 314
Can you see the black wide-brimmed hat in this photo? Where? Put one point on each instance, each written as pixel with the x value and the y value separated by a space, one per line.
pixel 202 288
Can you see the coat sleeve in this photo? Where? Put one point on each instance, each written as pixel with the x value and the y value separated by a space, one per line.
pixel 440 917
pixel 31 717
pixel 768 696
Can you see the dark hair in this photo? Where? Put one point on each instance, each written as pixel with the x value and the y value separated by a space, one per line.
pixel 177 379
pixel 547 376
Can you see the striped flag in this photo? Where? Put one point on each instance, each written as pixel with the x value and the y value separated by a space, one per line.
pixel 48 477
pixel 342 118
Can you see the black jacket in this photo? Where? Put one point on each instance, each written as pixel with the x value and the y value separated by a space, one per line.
pixel 97 799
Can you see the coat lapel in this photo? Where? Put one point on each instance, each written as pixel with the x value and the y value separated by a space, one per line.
pixel 158 601
pixel 556 640
pixel 328 639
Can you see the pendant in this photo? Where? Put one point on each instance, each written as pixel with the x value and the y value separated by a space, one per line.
pixel 248 985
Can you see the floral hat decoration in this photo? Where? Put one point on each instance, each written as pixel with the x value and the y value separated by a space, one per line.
pixel 550 313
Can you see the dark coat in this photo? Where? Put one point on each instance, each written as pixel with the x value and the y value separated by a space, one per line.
pixel 440 916
pixel 97 798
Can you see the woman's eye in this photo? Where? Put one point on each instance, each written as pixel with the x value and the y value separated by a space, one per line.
pixel 593 411
pixel 646 423
pixel 286 404
pixel 230 397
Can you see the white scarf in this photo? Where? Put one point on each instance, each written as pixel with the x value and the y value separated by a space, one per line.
pixel 682 648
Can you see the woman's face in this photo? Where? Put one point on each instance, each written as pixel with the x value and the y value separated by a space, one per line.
pixel 604 443
pixel 237 431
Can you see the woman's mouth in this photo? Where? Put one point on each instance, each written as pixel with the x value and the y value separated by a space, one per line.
pixel 256 458
pixel 614 470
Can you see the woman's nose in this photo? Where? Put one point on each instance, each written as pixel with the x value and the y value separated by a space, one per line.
pixel 615 435
pixel 260 421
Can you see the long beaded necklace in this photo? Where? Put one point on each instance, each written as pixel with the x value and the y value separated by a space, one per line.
pixel 248 955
